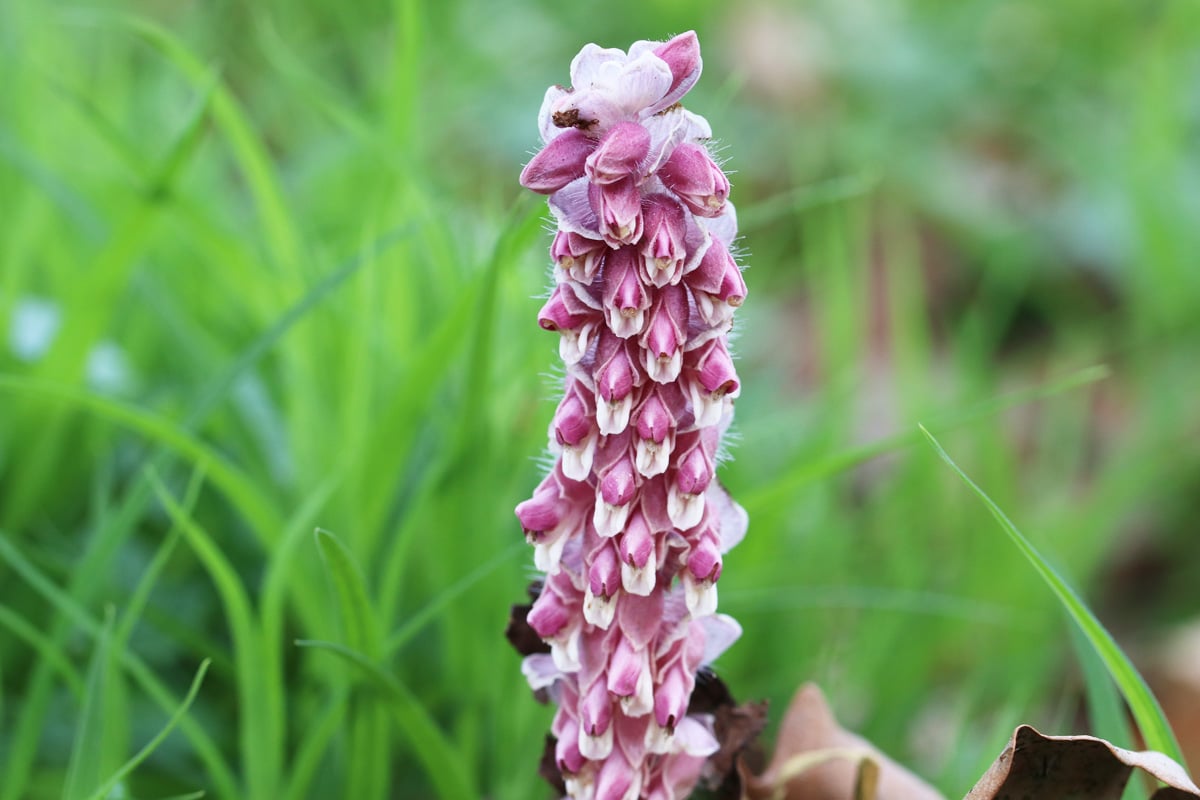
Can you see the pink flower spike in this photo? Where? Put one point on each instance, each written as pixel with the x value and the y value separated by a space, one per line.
pixel 618 780
pixel 619 154
pixel 696 179
pixel 604 580
pixel 682 54
pixel 656 436
pixel 666 335
pixel 577 256
pixel 663 245
pixel 704 562
pixel 685 495
pixel 566 749
pixel 625 299
pixel 631 524
pixel 576 433
pixel 630 679
pixel 639 563
pixel 712 379
pixel 618 208
pixel 717 285
pixel 614 497
pixel 558 163
pixel 595 722
pixel 671 700
pixel 567 315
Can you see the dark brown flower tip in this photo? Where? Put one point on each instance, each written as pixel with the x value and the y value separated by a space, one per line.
pixel 548 770
pixel 519 633
pixel 736 727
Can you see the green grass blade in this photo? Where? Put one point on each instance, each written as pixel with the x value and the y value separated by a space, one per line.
pixel 248 149
pixel 430 610
pixel 350 591
pixel 312 748
pixel 436 753
pixel 95 742
pixel 260 731
pixel 808 471
pixel 241 490
pixel 46 649
pixel 141 755
pixel 1148 714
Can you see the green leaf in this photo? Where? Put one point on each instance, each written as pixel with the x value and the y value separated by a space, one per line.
pixel 129 766
pixel 1148 714
pixel 97 740
pixel 260 729
pixel 437 754
pixel 350 591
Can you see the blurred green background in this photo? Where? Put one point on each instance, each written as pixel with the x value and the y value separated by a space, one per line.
pixel 265 268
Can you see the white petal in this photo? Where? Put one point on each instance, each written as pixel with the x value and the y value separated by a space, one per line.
pixel 641 702
pixel 596 748
pixel 720 631
pixel 565 652
pixel 685 510
pixel 609 520
pixel 652 458
pixel 701 595
pixel 660 370
pixel 723 226
pixel 546 116
pixel 613 418
pixel 599 611
pixel 586 66
pixel 643 82
pixel 577 459
pixel 640 580
pixel 694 736
pixel 732 519
pixel 658 739
pixel 572 211
pixel 540 670
pixel 548 552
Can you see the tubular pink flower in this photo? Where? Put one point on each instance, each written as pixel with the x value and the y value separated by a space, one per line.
pixel 618 156
pixel 631 525
pixel 695 179
pixel 577 256
pixel 559 163
pixel 663 247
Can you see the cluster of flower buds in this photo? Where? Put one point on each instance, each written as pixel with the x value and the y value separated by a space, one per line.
pixel 630 525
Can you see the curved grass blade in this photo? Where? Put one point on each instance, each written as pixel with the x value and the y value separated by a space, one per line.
pixel 141 755
pixel 430 610
pixel 260 727
pixel 436 753
pixel 96 740
pixel 206 749
pixel 350 590
pixel 238 487
pixel 1148 714
pixel 46 649
pixel 807 472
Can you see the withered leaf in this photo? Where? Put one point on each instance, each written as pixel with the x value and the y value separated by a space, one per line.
pixel 817 759
pixel 1067 767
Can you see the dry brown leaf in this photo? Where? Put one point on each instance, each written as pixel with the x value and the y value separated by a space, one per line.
pixel 816 759
pixel 1067 767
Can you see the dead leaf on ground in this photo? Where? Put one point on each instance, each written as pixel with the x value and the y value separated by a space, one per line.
pixel 1067 767
pixel 817 759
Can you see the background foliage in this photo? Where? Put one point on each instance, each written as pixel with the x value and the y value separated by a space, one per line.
pixel 265 268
